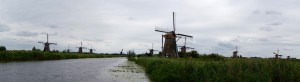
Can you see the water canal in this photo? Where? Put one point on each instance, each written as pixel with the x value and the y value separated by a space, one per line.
pixel 73 70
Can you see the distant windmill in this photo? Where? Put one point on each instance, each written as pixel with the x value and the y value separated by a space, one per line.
pixel 235 53
pixel 277 54
pixel 80 48
pixel 151 51
pixel 121 53
pixel 91 50
pixel 170 45
pixel 184 47
pixel 47 45
pixel 67 50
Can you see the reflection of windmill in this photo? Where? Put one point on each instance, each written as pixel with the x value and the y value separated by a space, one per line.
pixel 47 45
pixel 152 50
pixel 277 54
pixel 91 49
pixel 170 46
pixel 80 48
pixel 184 48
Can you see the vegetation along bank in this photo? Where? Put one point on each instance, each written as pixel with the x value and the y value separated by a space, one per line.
pixel 220 70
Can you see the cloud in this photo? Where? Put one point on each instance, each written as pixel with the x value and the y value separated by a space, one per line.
pixel 53 26
pixel 26 33
pixel 272 12
pixel 4 28
pixel 276 24
pixel 267 12
pixel 266 28
pixel 226 45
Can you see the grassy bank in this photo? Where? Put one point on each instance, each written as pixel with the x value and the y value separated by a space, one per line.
pixel 38 55
pixel 227 70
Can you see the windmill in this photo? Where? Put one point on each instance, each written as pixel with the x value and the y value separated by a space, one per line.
pixel 277 54
pixel 80 48
pixel 121 53
pixel 91 50
pixel 151 51
pixel 235 53
pixel 67 50
pixel 47 45
pixel 184 48
pixel 170 46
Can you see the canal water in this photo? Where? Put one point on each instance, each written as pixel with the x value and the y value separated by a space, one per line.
pixel 73 70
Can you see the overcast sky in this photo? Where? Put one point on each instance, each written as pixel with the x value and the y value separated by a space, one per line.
pixel 257 27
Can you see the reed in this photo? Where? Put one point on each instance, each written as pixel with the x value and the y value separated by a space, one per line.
pixel 227 70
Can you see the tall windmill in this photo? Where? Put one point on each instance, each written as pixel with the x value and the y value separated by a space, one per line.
pixel 80 48
pixel 91 50
pixel 170 45
pixel 47 45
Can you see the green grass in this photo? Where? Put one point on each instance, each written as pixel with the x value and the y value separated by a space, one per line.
pixel 38 55
pixel 226 70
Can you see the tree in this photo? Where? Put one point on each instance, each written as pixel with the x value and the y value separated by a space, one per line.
pixel 2 48
pixel 33 49
pixel 194 54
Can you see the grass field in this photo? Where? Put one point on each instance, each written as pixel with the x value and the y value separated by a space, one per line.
pixel 225 70
pixel 38 55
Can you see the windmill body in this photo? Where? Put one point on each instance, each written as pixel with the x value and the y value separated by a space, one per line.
pixel 170 49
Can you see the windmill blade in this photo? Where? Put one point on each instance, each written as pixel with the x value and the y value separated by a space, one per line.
pixel 162 30
pixel 184 35
pixel 42 42
pixel 53 43
pixel 189 48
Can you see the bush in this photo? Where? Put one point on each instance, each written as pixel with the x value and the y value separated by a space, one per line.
pixel 2 48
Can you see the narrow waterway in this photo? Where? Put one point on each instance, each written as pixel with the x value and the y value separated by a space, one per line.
pixel 73 70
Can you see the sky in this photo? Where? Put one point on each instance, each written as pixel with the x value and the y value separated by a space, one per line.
pixel 257 27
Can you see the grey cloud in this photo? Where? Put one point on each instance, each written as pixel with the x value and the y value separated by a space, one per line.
pixel 263 39
pixel 53 26
pixel 4 28
pixel 226 45
pixel 266 28
pixel 276 24
pixel 267 12
pixel 26 33
pixel 49 33
pixel 272 12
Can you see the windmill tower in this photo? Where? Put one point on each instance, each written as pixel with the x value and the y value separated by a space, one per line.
pixel 235 53
pixel 170 45
pixel 277 54
pixel 80 48
pixel 91 50
pixel 47 45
